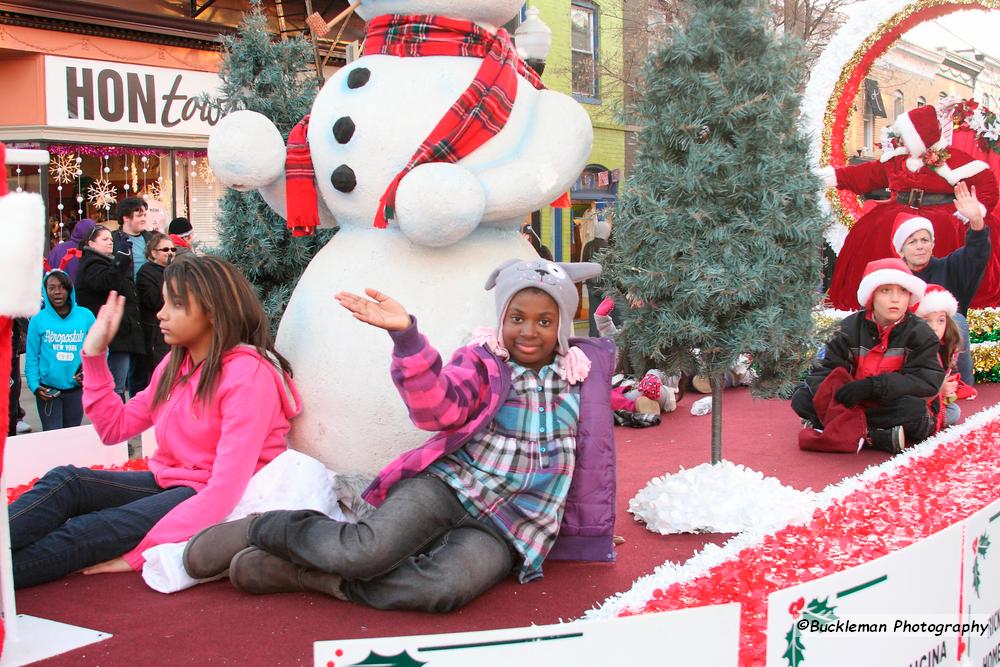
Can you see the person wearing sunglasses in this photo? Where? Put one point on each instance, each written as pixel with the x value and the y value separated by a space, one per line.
pixel 160 251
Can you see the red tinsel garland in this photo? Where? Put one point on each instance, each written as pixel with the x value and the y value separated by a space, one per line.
pixel 16 492
pixel 894 511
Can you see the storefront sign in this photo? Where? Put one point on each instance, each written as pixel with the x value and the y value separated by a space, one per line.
pixel 114 96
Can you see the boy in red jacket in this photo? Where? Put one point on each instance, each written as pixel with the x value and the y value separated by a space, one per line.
pixel 881 364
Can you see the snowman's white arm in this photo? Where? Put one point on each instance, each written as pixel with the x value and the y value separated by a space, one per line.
pixel 549 159
pixel 246 152
pixel 274 194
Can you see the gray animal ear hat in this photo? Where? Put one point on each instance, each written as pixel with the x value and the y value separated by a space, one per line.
pixel 555 279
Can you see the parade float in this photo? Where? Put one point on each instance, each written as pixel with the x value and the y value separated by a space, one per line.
pixel 911 539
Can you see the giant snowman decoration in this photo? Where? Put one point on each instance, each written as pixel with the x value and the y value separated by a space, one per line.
pixel 453 223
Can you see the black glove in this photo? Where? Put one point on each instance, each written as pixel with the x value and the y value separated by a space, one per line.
pixel 853 393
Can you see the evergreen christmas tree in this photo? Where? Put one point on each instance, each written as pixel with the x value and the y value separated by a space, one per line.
pixel 718 235
pixel 274 78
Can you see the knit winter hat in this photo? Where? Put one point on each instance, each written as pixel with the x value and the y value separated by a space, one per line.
pixel 555 279
pixel 889 271
pixel 919 129
pixel 179 226
pixel 937 299
pixel 81 230
pixel 905 225
pixel 650 386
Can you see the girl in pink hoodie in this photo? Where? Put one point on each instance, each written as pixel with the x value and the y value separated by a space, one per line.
pixel 220 403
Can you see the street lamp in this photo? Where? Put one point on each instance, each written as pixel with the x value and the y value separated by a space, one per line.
pixel 533 40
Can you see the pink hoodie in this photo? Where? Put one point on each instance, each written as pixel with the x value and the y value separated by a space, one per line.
pixel 214 449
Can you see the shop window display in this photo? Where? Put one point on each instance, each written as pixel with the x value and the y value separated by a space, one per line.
pixel 87 181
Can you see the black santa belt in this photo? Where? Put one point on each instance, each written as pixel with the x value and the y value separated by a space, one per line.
pixel 917 198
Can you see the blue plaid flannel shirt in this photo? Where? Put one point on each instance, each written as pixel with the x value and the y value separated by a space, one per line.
pixel 517 472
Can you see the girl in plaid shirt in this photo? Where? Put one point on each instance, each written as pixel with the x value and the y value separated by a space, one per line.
pixel 521 467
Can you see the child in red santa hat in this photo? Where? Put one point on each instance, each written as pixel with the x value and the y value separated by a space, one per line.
pixel 878 372
pixel 937 308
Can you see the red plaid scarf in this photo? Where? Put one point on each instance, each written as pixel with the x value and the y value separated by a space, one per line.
pixel 302 212
pixel 479 113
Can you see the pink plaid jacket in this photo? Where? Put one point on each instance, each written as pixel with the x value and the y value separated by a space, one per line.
pixel 462 398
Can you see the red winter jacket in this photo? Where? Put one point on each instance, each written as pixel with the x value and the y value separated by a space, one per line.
pixel 902 359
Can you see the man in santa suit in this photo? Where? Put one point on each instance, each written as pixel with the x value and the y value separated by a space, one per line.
pixel 922 172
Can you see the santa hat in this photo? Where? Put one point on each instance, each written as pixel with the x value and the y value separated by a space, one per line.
pixel 919 129
pixel 905 226
pixel 889 271
pixel 22 215
pixel 937 299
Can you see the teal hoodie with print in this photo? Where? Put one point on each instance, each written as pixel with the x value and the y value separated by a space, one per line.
pixel 52 355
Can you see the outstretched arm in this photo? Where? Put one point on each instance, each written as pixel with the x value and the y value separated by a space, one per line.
pixel 437 397
pixel 379 310
pixel 113 420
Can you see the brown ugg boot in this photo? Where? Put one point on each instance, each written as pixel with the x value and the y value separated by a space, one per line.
pixel 208 553
pixel 258 572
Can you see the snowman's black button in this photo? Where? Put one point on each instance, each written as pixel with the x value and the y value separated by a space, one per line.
pixel 343 178
pixel 343 129
pixel 358 77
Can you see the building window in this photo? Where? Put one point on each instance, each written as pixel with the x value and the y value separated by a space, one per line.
pixel 869 134
pixel 583 19
pixel 921 101
pixel 898 104
pixel 942 95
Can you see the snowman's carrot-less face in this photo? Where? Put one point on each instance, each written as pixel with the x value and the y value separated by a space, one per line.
pixel 490 13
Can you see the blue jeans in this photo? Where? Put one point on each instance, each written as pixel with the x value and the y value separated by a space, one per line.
pixel 419 550
pixel 952 414
pixel 119 363
pixel 964 362
pixel 77 517
pixel 64 411
pixel 138 373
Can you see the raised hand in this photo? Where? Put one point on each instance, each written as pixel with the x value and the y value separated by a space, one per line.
pixel 967 204
pixel 104 328
pixel 378 310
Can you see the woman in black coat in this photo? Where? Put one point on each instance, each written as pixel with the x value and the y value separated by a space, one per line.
pixel 160 251
pixel 101 271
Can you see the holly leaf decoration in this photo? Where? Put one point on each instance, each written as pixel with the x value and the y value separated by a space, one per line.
pixel 402 659
pixel 982 548
pixel 796 651
pixel 820 610
pixel 817 610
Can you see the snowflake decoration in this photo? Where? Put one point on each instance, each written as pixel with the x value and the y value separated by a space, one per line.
pixel 205 172
pixel 63 168
pixel 154 191
pixel 102 194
